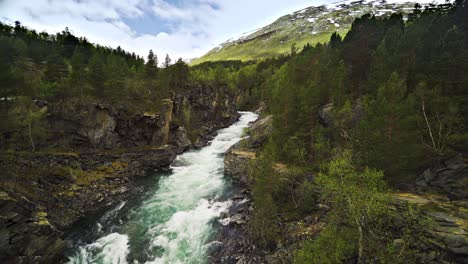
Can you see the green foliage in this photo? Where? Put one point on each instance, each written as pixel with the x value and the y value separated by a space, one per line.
pixel 387 136
pixel 308 196
pixel 360 222
pixel 331 247
pixel 25 126
pixel 266 182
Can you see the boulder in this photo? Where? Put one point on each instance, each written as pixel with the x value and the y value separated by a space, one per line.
pixel 326 116
pixel 450 178
pixel 259 131
pixel 236 163
pixel 328 119
pixel 180 139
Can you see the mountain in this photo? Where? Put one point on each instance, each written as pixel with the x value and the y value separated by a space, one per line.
pixel 310 25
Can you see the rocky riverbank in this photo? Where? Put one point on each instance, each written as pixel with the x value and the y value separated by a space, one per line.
pixel 235 243
pixel 104 151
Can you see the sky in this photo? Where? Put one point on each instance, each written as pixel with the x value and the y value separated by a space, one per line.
pixel 180 28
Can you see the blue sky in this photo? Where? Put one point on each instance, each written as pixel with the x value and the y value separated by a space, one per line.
pixel 181 28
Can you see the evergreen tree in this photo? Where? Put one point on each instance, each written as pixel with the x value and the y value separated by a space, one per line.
pixel 151 66
pixel 96 74
pixel 77 76
pixel 179 74
pixel 167 61
pixel 387 137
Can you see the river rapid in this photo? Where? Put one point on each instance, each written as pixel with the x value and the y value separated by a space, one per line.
pixel 176 222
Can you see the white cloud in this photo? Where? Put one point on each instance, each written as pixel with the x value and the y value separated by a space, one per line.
pixel 169 11
pixel 192 27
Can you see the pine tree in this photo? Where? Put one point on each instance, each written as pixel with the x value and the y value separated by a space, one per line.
pixel 151 67
pixel 167 61
pixel 96 73
pixel 387 138
pixel 78 73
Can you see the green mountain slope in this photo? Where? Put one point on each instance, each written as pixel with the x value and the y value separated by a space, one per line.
pixel 310 25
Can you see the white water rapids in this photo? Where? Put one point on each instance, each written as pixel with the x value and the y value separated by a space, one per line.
pixel 174 225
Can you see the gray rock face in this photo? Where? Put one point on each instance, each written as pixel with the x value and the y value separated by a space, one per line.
pixel 25 235
pixel 235 244
pixel 199 109
pixel 239 156
pixel 451 178
pixel 448 232
pixel 98 126
pixel 236 163
pixel 325 115
pixel 328 119
pixel 203 109
pixel 180 139
pixel 450 235
pixel 236 241
pixel 259 131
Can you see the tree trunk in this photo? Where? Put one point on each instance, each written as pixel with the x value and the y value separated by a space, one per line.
pixel 30 135
pixel 360 242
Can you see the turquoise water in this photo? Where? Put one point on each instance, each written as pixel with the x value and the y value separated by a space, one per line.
pixel 175 224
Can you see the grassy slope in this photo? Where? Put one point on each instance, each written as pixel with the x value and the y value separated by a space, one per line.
pixel 298 28
pixel 258 49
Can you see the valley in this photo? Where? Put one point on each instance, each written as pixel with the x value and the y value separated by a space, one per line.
pixel 336 134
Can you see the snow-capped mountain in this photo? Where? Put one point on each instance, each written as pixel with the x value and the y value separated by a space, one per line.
pixel 310 25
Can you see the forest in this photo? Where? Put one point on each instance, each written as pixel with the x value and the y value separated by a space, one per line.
pixel 395 93
pixel 67 71
pixel 395 90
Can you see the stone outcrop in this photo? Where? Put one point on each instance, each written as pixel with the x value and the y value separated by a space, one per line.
pixel 328 118
pixel 236 243
pixel 260 131
pixel 239 156
pixel 101 126
pixel 200 109
pixel 236 163
pixel 448 229
pixel 26 233
pixel 203 109
pixel 449 178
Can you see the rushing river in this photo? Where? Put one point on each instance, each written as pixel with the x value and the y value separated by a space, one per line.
pixel 175 223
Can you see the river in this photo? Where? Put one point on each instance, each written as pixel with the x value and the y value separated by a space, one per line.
pixel 175 223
